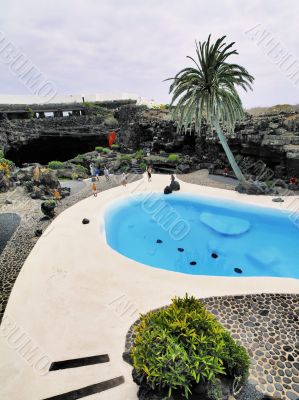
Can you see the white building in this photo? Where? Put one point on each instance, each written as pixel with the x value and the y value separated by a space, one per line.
pixel 72 98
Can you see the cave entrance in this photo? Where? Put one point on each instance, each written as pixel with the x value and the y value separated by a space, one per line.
pixel 49 148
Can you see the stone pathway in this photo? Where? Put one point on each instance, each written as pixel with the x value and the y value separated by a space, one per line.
pixel 268 326
pixel 23 240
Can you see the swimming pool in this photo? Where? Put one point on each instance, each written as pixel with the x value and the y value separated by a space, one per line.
pixel 203 236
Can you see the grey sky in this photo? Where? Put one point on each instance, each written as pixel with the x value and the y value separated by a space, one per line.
pixel 94 46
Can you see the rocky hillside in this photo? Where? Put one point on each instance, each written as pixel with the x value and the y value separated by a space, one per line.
pixel 272 137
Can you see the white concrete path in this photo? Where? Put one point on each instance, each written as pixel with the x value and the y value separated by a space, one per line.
pixel 76 297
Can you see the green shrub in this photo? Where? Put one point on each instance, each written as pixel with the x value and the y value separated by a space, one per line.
pixel 79 157
pixel 31 113
pixel 99 149
pixel 5 161
pixel 1 153
pixel 115 147
pixel 126 157
pixel 235 358
pixel 214 391
pixel 56 165
pixel 184 344
pixel 173 157
pixel 106 150
pixel 80 169
pixel 143 166
pixel 139 155
pixel 74 176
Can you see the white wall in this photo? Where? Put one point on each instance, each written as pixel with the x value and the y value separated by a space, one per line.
pixel 72 98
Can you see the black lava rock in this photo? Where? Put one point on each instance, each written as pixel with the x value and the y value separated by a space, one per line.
pixel 85 221
pixel 38 232
pixel 167 190
pixel 174 186
pixel 48 208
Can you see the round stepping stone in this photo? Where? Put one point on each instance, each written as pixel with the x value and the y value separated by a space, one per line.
pixel 180 249
pixel 159 241
pixel 193 262
pixel 214 255
pixel 238 270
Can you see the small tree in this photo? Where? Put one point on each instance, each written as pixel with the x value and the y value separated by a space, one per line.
pixel 208 90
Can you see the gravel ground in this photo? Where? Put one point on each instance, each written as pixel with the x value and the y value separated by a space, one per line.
pixel 202 177
pixel 20 240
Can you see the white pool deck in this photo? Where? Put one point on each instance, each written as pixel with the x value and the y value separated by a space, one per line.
pixel 76 297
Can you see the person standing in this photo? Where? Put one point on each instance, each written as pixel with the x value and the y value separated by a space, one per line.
pixel 92 169
pixel 124 178
pixel 94 189
pixel 36 174
pixel 106 174
pixel 97 171
pixel 57 196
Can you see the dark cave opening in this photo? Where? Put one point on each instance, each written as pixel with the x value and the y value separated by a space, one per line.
pixel 49 148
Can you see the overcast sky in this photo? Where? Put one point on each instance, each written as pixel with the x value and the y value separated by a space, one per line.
pixel 94 46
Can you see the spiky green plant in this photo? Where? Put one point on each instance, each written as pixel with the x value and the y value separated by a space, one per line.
pixel 208 90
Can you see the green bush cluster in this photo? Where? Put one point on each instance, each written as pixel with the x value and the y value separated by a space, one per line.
pixel 184 344
pixel 56 165
pixel 80 169
pixel 173 157
pixel 126 157
pixel 139 155
pixel 1 153
pixel 115 147
pixel 143 166
pixel 101 149
pixel 79 157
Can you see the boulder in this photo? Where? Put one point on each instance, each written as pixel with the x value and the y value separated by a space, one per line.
pixel 174 186
pixel 24 174
pixel 183 168
pixel 167 190
pixel 85 221
pixel 64 192
pixel 49 179
pixel 48 208
pixel 254 188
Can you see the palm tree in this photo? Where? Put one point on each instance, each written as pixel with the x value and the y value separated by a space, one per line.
pixel 208 90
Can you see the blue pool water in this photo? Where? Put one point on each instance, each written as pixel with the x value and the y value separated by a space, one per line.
pixel 204 236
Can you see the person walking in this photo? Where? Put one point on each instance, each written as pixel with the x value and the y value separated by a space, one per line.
pixel 149 173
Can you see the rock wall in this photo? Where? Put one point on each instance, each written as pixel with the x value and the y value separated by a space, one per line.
pixel 272 138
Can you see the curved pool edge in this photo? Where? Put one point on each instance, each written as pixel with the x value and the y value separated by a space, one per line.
pixel 72 286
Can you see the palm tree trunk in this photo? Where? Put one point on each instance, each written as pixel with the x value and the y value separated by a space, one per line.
pixel 229 155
